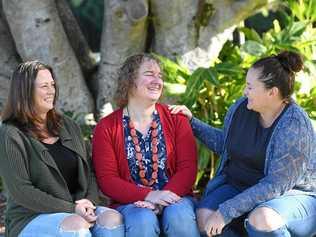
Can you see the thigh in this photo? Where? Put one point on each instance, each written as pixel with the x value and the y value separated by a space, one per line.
pixel 179 219
pixel 184 209
pixel 139 221
pixel 186 203
pixel 219 195
pixel 132 214
pixel 44 225
pixel 297 211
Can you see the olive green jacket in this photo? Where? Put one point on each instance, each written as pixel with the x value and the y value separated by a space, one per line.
pixel 32 180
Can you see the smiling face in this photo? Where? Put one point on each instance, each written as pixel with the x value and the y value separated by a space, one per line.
pixel 44 92
pixel 258 96
pixel 149 83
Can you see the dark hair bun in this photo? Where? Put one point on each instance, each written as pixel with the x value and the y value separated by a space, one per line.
pixel 290 61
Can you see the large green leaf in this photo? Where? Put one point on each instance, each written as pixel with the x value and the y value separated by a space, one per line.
pixel 251 34
pixel 254 48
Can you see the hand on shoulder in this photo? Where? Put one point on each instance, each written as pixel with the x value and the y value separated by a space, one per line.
pixel 174 109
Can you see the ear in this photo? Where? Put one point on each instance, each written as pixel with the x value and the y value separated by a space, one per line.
pixel 274 91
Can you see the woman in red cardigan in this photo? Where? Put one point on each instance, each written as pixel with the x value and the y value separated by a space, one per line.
pixel 145 158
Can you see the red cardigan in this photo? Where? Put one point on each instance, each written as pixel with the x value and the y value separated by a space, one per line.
pixel 111 166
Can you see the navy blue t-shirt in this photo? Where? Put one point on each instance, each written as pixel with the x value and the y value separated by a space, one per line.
pixel 246 145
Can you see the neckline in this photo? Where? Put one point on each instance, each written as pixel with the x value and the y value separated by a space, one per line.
pixel 51 144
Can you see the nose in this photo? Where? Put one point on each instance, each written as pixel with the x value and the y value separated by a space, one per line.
pixel 51 90
pixel 245 92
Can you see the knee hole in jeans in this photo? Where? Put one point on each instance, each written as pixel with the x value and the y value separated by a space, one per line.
pixel 110 219
pixel 265 219
pixel 74 223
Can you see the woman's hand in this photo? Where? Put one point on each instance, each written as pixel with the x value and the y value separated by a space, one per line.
pixel 145 204
pixel 85 209
pixel 157 209
pixel 163 197
pixel 174 109
pixel 214 224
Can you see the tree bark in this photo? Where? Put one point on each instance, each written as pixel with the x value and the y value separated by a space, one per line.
pixel 76 38
pixel 124 34
pixel 195 30
pixel 174 26
pixel 227 15
pixel 39 34
pixel 8 60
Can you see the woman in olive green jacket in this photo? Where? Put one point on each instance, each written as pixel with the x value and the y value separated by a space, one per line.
pixel 45 165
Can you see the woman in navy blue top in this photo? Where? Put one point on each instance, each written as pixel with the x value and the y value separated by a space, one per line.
pixel 267 172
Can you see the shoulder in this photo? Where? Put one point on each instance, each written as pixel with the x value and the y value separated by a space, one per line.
pixel 112 117
pixel 164 111
pixel 232 109
pixel 8 130
pixel 70 125
pixel 294 125
pixel 10 134
pixel 295 116
pixel 241 101
pixel 111 121
pixel 68 122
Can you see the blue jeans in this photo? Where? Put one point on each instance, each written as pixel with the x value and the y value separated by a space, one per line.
pixel 212 199
pixel 176 220
pixel 298 213
pixel 48 225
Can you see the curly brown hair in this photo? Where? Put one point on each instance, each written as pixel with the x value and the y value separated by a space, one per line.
pixel 127 75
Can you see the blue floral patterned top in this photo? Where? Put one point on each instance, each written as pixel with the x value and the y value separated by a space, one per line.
pixel 146 150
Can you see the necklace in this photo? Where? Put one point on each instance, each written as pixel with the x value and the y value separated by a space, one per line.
pixel 139 155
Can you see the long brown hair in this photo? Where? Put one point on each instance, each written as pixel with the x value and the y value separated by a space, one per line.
pixel 19 109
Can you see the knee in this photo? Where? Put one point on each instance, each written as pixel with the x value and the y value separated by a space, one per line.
pixel 265 219
pixel 110 219
pixel 146 217
pixel 74 223
pixel 176 215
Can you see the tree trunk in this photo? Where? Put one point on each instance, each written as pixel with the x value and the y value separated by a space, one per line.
pixel 76 38
pixel 124 34
pixel 8 60
pixel 195 30
pixel 39 34
pixel 227 15
pixel 174 26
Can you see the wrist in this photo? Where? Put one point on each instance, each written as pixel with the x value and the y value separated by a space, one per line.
pixel 147 198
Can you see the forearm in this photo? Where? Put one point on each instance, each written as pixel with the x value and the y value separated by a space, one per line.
pixel 38 201
pixel 182 182
pixel 212 137
pixel 121 190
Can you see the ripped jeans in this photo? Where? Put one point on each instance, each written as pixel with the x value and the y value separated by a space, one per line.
pixel 49 225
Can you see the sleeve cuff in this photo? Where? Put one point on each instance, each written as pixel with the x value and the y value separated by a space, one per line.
pixel 226 215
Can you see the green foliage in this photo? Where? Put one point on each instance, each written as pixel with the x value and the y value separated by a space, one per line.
pixel 210 91
pixel 85 121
